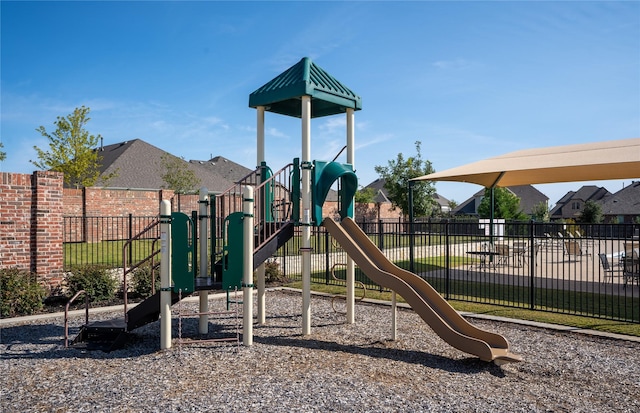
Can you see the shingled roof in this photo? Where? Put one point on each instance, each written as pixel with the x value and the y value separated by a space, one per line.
pixel 529 197
pixel 624 202
pixel 138 164
pixel 229 170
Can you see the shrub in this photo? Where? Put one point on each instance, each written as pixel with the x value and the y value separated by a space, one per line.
pixel 141 281
pixel 20 291
pixel 95 280
pixel 272 272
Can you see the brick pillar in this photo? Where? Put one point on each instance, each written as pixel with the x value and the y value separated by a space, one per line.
pixel 46 229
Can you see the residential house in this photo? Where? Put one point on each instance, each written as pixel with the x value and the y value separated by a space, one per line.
pixel 622 206
pixel 138 165
pixel 382 196
pixel 528 195
pixel 570 206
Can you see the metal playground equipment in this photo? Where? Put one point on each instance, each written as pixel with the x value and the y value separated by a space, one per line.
pixel 237 231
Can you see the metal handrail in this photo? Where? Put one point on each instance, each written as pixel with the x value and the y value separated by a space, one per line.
pixel 127 270
pixel 66 314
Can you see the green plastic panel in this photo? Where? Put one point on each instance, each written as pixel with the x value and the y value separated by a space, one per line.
pixel 232 264
pixel 324 175
pixel 182 253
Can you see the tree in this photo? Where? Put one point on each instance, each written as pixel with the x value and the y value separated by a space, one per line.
pixel 177 175
pixel 3 155
pixel 397 175
pixel 365 196
pixel 591 213
pixel 540 212
pixel 506 205
pixel 72 150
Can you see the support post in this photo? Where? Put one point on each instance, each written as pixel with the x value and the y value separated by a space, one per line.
pixel 351 270
pixel 260 157
pixel 247 267
pixel 203 325
pixel 394 316
pixel 165 275
pixel 306 220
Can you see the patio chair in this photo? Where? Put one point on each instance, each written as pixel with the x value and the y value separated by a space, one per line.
pixel 607 268
pixel 503 256
pixel 573 249
pixel 631 262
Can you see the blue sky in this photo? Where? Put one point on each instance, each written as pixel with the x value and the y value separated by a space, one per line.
pixel 470 80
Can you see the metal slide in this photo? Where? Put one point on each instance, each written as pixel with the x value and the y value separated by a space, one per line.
pixel 420 295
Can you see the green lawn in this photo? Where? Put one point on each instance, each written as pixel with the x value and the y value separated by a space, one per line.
pixel 598 324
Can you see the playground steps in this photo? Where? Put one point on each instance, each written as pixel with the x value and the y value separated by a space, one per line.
pixel 109 335
pixel 106 335
pixel 281 236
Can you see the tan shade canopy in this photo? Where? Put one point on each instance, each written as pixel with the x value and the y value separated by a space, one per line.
pixel 618 159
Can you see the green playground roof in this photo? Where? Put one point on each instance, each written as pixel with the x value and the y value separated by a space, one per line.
pixel 283 94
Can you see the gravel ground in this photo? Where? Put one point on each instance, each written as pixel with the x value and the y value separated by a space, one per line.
pixel 338 368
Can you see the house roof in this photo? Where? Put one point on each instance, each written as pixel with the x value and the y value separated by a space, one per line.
pixel 282 94
pixel 529 197
pixel 138 164
pixel 382 195
pixel 624 202
pixel 584 194
pixel 224 167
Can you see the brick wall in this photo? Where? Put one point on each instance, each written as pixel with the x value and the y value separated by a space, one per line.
pixel 33 207
pixel 31 223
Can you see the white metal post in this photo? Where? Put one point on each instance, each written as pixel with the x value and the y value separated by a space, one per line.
pixel 306 219
pixel 203 325
pixel 165 274
pixel 247 267
pixel 260 272
pixel 394 316
pixel 351 271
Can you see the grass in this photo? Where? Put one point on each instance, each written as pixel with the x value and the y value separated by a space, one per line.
pixel 510 297
pixel 582 322
pixel 108 253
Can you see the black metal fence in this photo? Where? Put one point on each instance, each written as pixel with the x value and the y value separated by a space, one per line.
pixel 589 270
pixel 100 240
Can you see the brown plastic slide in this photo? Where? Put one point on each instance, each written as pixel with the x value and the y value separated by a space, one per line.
pixel 420 295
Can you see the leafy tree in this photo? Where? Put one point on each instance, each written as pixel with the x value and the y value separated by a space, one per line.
pixel 397 175
pixel 365 196
pixel 591 213
pixel 177 175
pixel 72 150
pixel 540 212
pixel 506 205
pixel 3 155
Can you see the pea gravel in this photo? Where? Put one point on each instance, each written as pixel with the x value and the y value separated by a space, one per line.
pixel 338 368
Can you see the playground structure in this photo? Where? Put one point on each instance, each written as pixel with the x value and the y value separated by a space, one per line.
pixel 238 230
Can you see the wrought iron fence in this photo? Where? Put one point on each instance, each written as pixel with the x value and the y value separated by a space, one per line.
pixel 100 240
pixel 589 270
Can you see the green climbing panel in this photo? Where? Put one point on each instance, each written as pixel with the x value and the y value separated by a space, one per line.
pixel 182 252
pixel 232 262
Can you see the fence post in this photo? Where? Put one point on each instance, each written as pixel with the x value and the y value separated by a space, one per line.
pixel 327 263
pixel 411 219
pixel 130 258
pixel 447 260
pixel 532 267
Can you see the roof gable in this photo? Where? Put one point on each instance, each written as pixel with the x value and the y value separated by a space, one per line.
pixel 624 202
pixel 138 164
